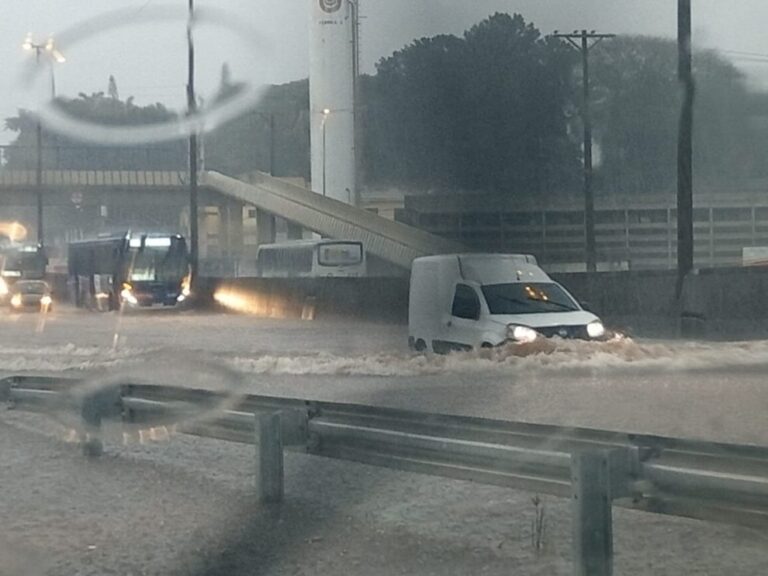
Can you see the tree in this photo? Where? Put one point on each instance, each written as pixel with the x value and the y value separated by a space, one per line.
pixel 67 153
pixel 248 142
pixel 486 111
pixel 636 110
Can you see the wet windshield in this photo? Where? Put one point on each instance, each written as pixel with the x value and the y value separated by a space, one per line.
pixel 157 264
pixel 517 298
pixel 32 287
pixel 269 230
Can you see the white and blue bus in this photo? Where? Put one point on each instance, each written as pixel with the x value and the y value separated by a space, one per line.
pixel 135 270
pixel 311 259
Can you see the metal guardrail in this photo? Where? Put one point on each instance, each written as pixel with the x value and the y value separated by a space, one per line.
pixel 596 468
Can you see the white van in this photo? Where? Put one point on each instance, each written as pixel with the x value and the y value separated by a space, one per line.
pixel 466 301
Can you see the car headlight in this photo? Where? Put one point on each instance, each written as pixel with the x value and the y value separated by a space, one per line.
pixel 127 294
pixel 595 329
pixel 16 300
pixel 521 333
pixel 3 287
pixel 181 297
pixel 46 300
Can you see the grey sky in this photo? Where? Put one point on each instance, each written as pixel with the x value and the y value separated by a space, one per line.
pixel 149 61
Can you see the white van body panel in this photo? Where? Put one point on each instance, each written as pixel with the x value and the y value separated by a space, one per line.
pixel 433 284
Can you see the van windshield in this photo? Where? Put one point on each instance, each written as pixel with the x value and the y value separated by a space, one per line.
pixel 531 298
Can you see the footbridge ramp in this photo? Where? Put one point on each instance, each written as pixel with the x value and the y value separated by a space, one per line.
pixel 392 241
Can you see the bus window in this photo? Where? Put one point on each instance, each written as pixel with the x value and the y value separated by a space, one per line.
pixel 342 254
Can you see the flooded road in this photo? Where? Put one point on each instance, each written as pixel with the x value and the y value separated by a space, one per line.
pixel 710 390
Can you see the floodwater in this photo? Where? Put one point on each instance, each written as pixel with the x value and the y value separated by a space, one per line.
pixel 710 390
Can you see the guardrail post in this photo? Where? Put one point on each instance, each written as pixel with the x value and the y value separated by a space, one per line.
pixel 90 414
pixel 592 520
pixel 269 457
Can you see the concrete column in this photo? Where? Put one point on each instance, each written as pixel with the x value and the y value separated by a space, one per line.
pixel 265 227
pixel 294 231
pixel 233 223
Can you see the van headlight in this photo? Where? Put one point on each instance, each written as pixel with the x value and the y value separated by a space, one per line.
pixel 521 333
pixel 595 329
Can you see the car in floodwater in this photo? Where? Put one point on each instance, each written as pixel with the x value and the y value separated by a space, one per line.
pixel 30 295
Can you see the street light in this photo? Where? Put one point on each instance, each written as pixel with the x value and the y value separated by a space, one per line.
pixel 326 113
pixel 48 48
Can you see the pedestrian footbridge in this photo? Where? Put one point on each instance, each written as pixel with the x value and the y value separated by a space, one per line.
pixel 119 191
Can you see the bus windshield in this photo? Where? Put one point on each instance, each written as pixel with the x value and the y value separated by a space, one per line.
pixel 340 254
pixel 158 263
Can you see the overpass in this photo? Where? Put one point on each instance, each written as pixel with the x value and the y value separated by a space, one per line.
pixel 391 241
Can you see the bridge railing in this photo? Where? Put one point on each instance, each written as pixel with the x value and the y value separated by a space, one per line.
pixel 61 156
pixel 595 468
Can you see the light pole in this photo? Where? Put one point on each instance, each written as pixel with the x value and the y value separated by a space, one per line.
pixel 326 113
pixel 47 48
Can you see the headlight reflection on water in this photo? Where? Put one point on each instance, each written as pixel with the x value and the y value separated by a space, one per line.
pixel 255 303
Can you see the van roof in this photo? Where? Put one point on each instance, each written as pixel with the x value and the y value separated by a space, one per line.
pixel 479 257
pixel 493 268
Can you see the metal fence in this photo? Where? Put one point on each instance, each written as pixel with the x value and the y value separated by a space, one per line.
pixel 630 233
pixel 595 468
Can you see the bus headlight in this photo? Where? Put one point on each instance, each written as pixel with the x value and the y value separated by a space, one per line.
pixel 521 333
pixel 16 301
pixel 3 287
pixel 127 294
pixel 595 329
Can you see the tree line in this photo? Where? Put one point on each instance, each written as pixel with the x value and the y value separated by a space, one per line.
pixel 494 110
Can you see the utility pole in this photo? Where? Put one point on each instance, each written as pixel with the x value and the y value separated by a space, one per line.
pixel 584 41
pixel 684 146
pixel 191 110
pixel 272 144
pixel 356 101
